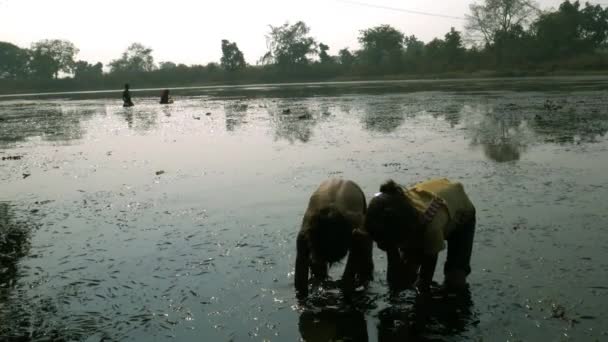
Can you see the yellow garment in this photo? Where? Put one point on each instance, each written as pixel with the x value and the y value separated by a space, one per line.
pixel 455 208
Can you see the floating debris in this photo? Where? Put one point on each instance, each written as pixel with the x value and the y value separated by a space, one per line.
pixel 304 117
pixel 552 106
pixel 12 158
pixel 559 311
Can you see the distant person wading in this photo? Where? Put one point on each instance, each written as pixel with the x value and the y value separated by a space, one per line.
pixel 165 98
pixel 126 97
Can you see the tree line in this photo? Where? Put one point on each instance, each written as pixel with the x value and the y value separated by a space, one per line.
pixel 508 36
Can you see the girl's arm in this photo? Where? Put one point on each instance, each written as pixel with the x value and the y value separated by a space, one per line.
pixel 396 272
pixel 302 267
pixel 427 269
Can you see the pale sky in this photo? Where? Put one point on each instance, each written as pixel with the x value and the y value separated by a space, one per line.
pixel 190 31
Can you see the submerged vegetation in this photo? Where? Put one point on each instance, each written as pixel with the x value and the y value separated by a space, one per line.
pixel 501 38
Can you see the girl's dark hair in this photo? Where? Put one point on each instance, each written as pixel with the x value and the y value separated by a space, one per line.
pixel 391 188
pixel 330 234
pixel 390 215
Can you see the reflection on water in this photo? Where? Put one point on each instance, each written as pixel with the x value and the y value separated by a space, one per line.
pixel 427 318
pixel 51 121
pixel 404 317
pixel 502 127
pixel 235 113
pixel 333 325
pixel 163 222
pixel 14 244
pixel 139 119
pixel 293 120
pixel 503 135
pixel 328 316
pixel 580 120
pixel 505 129
pixel 383 116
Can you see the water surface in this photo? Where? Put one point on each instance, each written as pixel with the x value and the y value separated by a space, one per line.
pixel 178 222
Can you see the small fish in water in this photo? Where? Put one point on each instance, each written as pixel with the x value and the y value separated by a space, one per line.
pixel 208 113
pixel 196 117
pixel 25 175
pixel 158 173
pixel 287 111
pixel 12 158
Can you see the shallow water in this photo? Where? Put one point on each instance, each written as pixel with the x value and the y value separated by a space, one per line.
pixel 162 222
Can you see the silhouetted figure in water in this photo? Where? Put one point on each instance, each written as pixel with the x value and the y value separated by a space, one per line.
pixel 412 225
pixel 164 97
pixel 331 229
pixel 126 97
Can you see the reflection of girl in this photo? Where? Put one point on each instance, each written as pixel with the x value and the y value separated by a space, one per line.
pixel 333 325
pixel 164 97
pixel 126 97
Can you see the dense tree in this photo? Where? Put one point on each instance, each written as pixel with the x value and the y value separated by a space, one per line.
pixel 512 48
pixel 572 37
pixel 324 57
pixel 290 45
pixel 413 56
pixel 382 47
pixel 137 58
pixel 570 30
pixel 13 61
pixel 445 54
pixel 85 70
pixel 51 56
pixel 594 24
pixel 413 46
pixel 167 65
pixel 434 56
pixel 493 16
pixel 41 66
pixel 454 48
pixel 346 58
pixel 232 58
pixel 212 67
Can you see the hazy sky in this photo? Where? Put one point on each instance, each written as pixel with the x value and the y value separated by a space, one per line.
pixel 189 31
